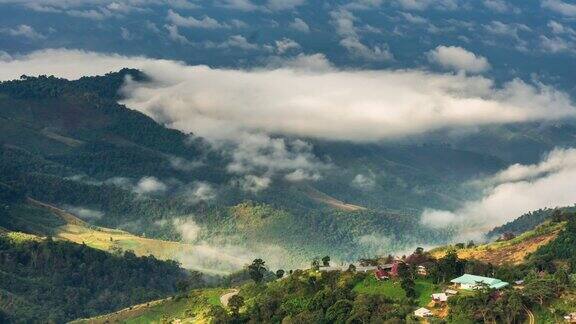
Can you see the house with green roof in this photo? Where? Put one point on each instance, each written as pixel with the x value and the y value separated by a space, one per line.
pixel 470 282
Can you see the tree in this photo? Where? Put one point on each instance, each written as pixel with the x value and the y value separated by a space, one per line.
pixel 408 285
pixel 339 312
pixel 509 306
pixel 540 290
pixel 257 270
pixel 404 270
pixel 235 303
pixel 326 261
pixel 450 266
pixel 315 264
pixel 279 273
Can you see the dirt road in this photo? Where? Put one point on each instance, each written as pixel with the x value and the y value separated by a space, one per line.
pixel 226 297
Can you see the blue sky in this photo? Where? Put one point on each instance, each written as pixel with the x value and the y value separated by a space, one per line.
pixel 528 39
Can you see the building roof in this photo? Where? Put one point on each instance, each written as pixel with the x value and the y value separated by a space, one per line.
pixel 469 279
pixel 422 312
pixel 440 297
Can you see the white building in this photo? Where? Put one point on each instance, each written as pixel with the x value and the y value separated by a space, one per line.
pixel 422 312
pixel 440 297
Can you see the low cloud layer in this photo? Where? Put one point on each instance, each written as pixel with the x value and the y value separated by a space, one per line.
pixel 84 213
pixel 512 192
pixel 221 255
pixel 331 104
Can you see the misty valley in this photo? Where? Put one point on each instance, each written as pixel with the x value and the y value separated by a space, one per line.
pixel 287 161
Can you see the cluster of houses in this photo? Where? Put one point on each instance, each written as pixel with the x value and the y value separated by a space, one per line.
pixel 465 282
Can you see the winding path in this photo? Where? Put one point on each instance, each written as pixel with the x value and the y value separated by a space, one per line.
pixel 531 318
pixel 226 297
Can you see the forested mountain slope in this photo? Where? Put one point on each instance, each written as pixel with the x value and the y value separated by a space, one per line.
pixel 44 280
pixel 70 144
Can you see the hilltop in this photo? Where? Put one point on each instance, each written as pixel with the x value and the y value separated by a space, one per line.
pixel 317 295
pixel 53 280
pixel 511 251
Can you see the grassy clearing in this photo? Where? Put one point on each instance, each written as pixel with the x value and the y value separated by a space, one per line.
pixel 388 288
pixel 73 229
pixel 393 290
pixel 188 309
pixel 424 290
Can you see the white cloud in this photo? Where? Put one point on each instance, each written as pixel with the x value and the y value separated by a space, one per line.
pixel 150 185
pixel 94 14
pixel 300 25
pixel 276 5
pixel 302 175
pixel 235 41
pixel 556 44
pixel 253 183
pixel 555 162
pixel 331 104
pixel 84 213
pixel 22 31
pixel 242 5
pixel 188 229
pixel 302 62
pixel 221 255
pixel 286 44
pixel 558 28
pixel 458 58
pixel 262 155
pixel 508 30
pixel 236 23
pixel 5 56
pixel 205 22
pixel 343 20
pixel 363 182
pixel 414 19
pixel 200 191
pixel 512 192
pixel 497 5
pixel 125 34
pixel 426 4
pixel 174 35
pixel 561 7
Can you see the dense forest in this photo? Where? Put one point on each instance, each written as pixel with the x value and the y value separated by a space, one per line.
pixel 528 221
pixel 56 281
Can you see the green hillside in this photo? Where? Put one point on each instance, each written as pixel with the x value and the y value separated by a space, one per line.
pixel 312 296
pixel 43 280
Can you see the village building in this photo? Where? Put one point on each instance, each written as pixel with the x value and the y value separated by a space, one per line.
pixel 359 268
pixel 451 292
pixel 440 297
pixel 421 270
pixel 333 268
pixel 381 274
pixel 570 318
pixel 422 312
pixel 471 282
